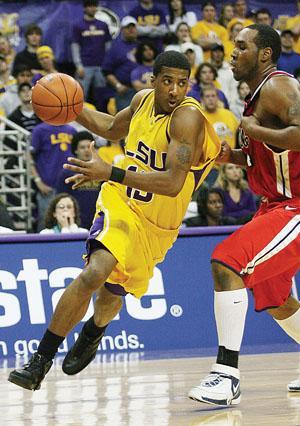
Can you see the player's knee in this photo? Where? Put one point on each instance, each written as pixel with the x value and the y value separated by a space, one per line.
pixel 225 279
pixel 92 277
pixel 286 310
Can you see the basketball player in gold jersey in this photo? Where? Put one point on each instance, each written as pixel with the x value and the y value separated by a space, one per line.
pixel 170 149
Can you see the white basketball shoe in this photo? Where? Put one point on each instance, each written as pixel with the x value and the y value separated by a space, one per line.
pixel 294 386
pixel 220 387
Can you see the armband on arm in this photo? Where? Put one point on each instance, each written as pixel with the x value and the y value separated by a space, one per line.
pixel 117 174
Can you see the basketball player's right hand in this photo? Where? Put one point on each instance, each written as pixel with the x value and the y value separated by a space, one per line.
pixel 87 171
pixel 225 153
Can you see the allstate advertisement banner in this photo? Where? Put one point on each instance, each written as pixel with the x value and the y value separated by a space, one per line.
pixel 176 313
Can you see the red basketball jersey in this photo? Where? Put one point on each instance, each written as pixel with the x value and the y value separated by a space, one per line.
pixel 275 175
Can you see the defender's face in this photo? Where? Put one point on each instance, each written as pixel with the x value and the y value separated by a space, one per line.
pixel 244 58
pixel 170 87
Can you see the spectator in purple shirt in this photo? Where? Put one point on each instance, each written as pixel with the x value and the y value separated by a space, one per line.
pixel 141 75
pixel 120 61
pixel 151 22
pixel 239 201
pixel 50 148
pixel 86 196
pixel 289 60
pixel 90 42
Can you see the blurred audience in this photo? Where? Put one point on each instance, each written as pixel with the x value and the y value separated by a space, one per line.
pixel 151 22
pixel 46 59
pixel 240 14
pixel 226 14
pixel 239 201
pixel 50 148
pixel 208 32
pixel 141 74
pixel 11 100
pixel 7 51
pixel 178 14
pixel 120 61
pixel 86 196
pixel 228 84
pixel 62 216
pixel 210 210
pixel 33 37
pixel 182 37
pixel 91 39
pixel 263 16
pixel 237 107
pixel 289 60
pixel 206 75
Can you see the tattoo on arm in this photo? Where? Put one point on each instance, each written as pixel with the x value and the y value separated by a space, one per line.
pixel 184 154
pixel 294 109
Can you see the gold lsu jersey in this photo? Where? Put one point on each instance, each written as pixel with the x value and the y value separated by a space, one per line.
pixel 146 151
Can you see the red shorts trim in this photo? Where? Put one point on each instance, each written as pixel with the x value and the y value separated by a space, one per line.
pixel 265 253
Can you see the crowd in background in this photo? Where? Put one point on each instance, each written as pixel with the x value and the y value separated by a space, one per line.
pixel 111 70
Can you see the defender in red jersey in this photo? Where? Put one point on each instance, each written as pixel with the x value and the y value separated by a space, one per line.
pixel 264 254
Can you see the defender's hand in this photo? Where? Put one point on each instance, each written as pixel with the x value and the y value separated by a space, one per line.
pixel 225 153
pixel 250 125
pixel 87 171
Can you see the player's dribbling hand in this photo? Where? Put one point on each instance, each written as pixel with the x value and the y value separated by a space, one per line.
pixel 87 171
pixel 225 153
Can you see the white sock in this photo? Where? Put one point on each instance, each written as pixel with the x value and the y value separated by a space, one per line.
pixel 291 325
pixel 230 313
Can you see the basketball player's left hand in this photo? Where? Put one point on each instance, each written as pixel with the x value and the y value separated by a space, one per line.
pixel 249 124
pixel 87 171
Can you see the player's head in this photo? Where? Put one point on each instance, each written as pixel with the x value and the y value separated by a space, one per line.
pixel 256 48
pixel 171 73
pixel 80 145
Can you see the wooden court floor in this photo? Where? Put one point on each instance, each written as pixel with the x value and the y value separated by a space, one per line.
pixel 133 392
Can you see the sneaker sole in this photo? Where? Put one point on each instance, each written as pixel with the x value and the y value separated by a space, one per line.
pixel 73 371
pixel 23 383
pixel 223 402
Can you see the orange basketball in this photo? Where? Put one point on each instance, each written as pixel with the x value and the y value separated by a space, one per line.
pixel 57 99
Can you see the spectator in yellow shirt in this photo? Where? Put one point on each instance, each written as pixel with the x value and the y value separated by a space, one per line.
pixel 240 13
pixel 223 120
pixel 208 32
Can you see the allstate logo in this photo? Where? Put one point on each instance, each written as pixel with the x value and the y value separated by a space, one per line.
pixel 110 18
pixel 243 139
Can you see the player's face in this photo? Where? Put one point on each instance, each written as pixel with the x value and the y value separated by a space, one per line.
pixel 170 87
pixel 214 205
pixel 244 58
pixel 83 151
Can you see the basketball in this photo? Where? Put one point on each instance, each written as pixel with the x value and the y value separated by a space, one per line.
pixel 57 99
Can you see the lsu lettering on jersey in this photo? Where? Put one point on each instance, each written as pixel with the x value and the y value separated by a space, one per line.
pixel 139 227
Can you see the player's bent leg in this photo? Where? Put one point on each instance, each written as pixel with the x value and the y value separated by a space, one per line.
pixel 107 306
pixel 287 317
pixel 222 385
pixel 70 309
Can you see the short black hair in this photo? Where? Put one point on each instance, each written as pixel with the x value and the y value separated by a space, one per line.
pixel 171 59
pixel 80 136
pixel 267 37
pixel 140 50
pixel 263 10
pixel 209 3
pixel 20 87
pixel 19 68
pixel 87 3
pixel 33 28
